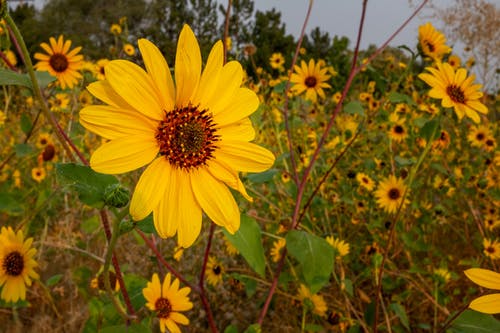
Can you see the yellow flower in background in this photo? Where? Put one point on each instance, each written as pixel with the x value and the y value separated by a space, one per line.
pixel 38 174
pixel 491 248
pixel 456 90
pixel 390 193
pixel 398 131
pixel 129 49
pixel 16 264
pixel 277 61
pixel 60 61
pixel 99 68
pixel 214 271
pixel 365 181
pixel 432 42
pixel 277 249
pixel 168 301
pixel 115 29
pixel 318 302
pixel 195 136
pixel 485 278
pixel 311 79
pixel 3 117
pixel 454 61
pixel 11 57
pixel 341 248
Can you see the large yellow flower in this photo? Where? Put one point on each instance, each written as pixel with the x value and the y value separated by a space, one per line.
pixel 311 79
pixel 456 90
pixel 168 301
pixel 16 264
pixel 432 42
pixel 390 193
pixel 60 61
pixel 195 135
pixel 485 278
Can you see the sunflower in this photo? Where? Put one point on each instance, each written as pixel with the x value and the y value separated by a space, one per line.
pixel 38 174
pixel 128 49
pixel 167 300
pixel 432 42
pixel 60 61
pixel 485 278
pixel 455 89
pixel 318 303
pixel 341 247
pixel 194 136
pixel 17 264
pixel 311 79
pixel 277 249
pixel 115 29
pixel 214 271
pixel 277 60
pixel 99 68
pixel 398 132
pixel 390 194
pixel 491 248
pixel 365 181
pixel 477 135
pixel 454 61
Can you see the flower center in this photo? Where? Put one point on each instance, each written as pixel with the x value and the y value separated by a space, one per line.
pixel 490 249
pixel 398 129
pixel 59 62
pixel 163 307
pixel 429 45
pixel 217 270
pixel 310 81
pixel 394 194
pixel 187 137
pixel 13 263
pixel 456 94
pixel 479 136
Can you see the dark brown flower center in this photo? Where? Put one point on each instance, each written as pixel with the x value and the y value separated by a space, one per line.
pixel 187 137
pixel 217 270
pixel 429 45
pixel 456 94
pixel 13 263
pixel 48 153
pixel 480 136
pixel 399 129
pixel 490 249
pixel 489 143
pixel 310 81
pixel 394 194
pixel 163 307
pixel 58 62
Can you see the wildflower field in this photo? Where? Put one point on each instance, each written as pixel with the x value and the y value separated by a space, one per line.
pixel 196 169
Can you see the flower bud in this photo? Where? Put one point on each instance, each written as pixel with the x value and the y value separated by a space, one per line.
pixel 116 196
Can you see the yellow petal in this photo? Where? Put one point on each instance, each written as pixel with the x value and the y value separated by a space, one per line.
pixel 172 326
pixel 229 81
pixel 164 215
pixel 486 304
pixel 179 318
pixel 243 103
pixel 157 67
pixel 484 277
pixel 216 200
pixel 187 66
pixel 103 91
pixel 245 156
pixel 134 85
pixel 188 212
pixel 230 177
pixel 124 154
pixel 111 122
pixel 210 77
pixel 240 131
pixel 149 189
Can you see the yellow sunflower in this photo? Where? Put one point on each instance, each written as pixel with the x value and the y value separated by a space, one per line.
pixel 341 248
pixel 456 90
pixel 194 136
pixel 214 271
pixel 311 79
pixel 365 181
pixel 167 300
pixel 60 61
pixel 38 174
pixel 398 131
pixel 390 192
pixel 277 249
pixel 432 42
pixel 317 302
pixel 491 248
pixel 99 68
pixel 17 264
pixel 485 278
pixel 128 49
pixel 277 61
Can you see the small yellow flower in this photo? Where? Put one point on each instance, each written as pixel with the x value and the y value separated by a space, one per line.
pixel 319 306
pixel 115 29
pixel 214 271
pixel 129 49
pixel 38 174
pixel 365 181
pixel 277 61
pixel 491 248
pixel 277 249
pixel 310 78
pixel 390 194
pixel 341 247
pixel 432 42
pixel 168 300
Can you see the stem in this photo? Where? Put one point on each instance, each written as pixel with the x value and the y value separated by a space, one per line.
pixel 226 28
pixel 203 296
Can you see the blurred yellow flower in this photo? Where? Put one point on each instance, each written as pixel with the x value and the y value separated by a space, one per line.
pixel 310 78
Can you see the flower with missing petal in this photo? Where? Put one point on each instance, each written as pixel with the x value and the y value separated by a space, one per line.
pixel 194 135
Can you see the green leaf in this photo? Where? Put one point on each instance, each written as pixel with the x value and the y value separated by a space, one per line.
pixel 401 161
pixel 348 287
pixel 395 97
pixel 315 256
pixel 401 313
pixel 23 149
pixel 249 242
pixel 44 78
pixel 428 129
pixel 475 322
pixel 89 184
pixel 90 225
pixel 9 204
pixel 25 123
pixel 262 177
pixel 146 225
pixel 254 328
pixel 53 280
pixel 231 329
pixel 11 78
pixel 354 107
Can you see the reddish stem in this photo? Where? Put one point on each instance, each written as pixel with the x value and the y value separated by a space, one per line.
pixel 201 284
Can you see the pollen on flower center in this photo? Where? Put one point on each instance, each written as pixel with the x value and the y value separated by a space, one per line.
pixel 163 307
pixel 310 81
pixel 394 194
pixel 187 137
pixel 59 62
pixel 456 94
pixel 13 264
